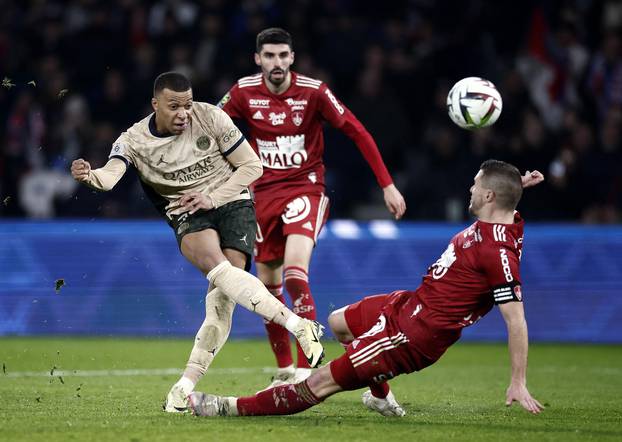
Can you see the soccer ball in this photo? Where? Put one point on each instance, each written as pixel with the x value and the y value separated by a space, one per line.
pixel 474 103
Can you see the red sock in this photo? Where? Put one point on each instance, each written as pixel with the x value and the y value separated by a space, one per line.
pixel 284 399
pixel 297 285
pixel 277 335
pixel 344 374
pixel 379 390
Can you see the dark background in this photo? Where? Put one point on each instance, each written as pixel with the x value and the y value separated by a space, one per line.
pixel 77 73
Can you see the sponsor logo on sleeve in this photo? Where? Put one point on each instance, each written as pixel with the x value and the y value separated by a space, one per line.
pixel 505 263
pixel 333 100
pixel 231 136
pixel 118 149
pixel 224 100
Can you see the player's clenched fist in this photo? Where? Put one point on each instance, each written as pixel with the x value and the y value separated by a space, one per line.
pixel 80 169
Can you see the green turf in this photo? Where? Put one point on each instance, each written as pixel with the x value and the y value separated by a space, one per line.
pixel 459 398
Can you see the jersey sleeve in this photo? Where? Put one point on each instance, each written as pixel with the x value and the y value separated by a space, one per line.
pixel 501 266
pixel 230 103
pixel 122 149
pixel 227 134
pixel 340 117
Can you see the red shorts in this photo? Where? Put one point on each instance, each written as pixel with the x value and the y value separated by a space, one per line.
pixel 303 214
pixel 380 350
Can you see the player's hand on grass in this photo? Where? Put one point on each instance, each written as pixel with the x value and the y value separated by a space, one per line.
pixel 532 178
pixel 80 169
pixel 520 394
pixel 191 203
pixel 394 201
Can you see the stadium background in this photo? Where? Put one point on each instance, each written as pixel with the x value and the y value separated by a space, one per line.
pixel 76 73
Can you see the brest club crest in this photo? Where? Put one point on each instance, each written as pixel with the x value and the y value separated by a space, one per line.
pixel 297 118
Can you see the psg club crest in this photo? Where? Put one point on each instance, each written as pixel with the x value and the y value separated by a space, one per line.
pixel 203 142
pixel 297 118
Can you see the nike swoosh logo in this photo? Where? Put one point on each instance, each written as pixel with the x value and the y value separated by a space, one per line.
pixel 315 338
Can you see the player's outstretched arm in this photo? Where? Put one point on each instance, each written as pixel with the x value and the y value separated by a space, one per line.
pixel 103 178
pixel 394 201
pixel 514 316
pixel 247 169
pixel 530 179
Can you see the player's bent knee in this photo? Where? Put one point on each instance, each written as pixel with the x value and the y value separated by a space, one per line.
pixel 339 326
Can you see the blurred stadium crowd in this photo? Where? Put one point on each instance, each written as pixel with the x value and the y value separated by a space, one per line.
pixel 78 72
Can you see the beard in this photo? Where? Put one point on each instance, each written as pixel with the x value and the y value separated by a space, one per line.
pixel 277 81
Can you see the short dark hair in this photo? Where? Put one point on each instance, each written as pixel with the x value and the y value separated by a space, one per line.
pixel 273 36
pixel 171 80
pixel 505 180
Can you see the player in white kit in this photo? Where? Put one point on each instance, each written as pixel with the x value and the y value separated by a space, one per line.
pixel 196 166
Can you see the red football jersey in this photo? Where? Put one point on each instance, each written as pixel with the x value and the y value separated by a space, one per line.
pixel 479 268
pixel 286 132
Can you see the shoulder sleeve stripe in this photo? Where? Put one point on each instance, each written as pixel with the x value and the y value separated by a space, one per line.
pixel 309 85
pixel 309 79
pixel 250 77
pixel 249 84
pixel 235 146
pixel 125 160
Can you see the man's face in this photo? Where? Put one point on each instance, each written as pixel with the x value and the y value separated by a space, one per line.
pixel 275 60
pixel 173 110
pixel 479 195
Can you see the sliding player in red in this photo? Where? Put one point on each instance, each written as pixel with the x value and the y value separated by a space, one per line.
pixel 285 112
pixel 406 331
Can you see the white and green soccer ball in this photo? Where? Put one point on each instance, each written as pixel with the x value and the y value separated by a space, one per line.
pixel 474 103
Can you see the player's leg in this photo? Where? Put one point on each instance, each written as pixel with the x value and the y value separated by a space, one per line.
pixel 369 358
pixel 339 375
pixel 302 220
pixel 298 250
pixel 280 400
pixel 269 251
pixel 216 327
pixel 208 341
pixel 271 274
pixel 354 320
pixel 203 250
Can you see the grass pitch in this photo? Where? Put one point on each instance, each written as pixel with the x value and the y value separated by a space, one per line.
pixel 85 389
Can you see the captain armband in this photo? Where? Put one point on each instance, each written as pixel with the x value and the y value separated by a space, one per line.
pixel 507 293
